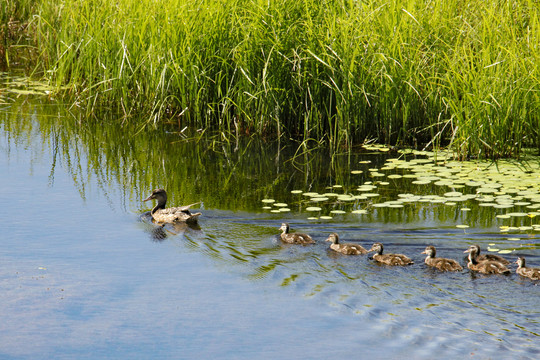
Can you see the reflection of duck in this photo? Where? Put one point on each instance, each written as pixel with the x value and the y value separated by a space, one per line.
pixel 170 215
pixel 531 273
pixel 440 263
pixel 389 259
pixel 294 238
pixel 489 257
pixel 485 267
pixel 347 249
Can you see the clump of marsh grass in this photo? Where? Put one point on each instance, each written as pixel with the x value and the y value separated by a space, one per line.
pixel 403 72
pixel 14 18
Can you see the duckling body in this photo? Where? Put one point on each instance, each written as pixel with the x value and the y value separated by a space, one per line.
pixel 489 257
pixel 440 263
pixel 531 273
pixel 161 214
pixel 389 259
pixel 347 249
pixel 294 238
pixel 485 267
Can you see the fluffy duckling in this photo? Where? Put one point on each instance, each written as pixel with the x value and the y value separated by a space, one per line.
pixel 489 257
pixel 485 267
pixel 531 273
pixel 389 259
pixel 347 249
pixel 440 263
pixel 294 238
pixel 170 215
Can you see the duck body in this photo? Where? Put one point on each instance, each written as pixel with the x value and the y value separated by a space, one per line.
pixel 161 214
pixel 389 259
pixel 294 238
pixel 531 273
pixel 346 249
pixel 441 264
pixel 485 267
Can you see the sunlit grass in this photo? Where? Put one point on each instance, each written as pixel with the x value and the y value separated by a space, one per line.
pixel 402 72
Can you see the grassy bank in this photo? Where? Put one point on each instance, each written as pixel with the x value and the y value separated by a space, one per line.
pixel 401 72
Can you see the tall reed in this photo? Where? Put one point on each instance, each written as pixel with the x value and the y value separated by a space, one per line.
pixel 342 71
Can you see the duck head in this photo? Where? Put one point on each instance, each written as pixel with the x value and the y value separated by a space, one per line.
pixel 161 196
pixel 520 261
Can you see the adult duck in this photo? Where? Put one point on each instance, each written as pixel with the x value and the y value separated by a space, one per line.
pixel 161 214
pixel 484 267
pixel 294 238
pixel 531 273
pixel 347 249
pixel 489 257
pixel 439 263
pixel 389 259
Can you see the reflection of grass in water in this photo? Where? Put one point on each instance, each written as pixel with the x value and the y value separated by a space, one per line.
pixel 339 72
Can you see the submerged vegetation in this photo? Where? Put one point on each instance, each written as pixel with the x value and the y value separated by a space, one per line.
pixel 409 72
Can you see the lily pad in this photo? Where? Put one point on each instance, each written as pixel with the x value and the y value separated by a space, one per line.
pixel 360 211
pixel 280 204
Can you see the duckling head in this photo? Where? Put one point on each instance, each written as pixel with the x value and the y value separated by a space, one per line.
pixel 429 251
pixel 334 238
pixel 520 261
pixel 377 247
pixel 284 228
pixel 473 251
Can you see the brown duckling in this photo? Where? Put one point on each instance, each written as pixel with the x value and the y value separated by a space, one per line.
pixel 531 273
pixel 161 214
pixel 347 249
pixel 489 257
pixel 294 238
pixel 440 263
pixel 389 259
pixel 485 267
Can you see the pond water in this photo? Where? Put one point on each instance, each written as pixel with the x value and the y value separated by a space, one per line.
pixel 83 274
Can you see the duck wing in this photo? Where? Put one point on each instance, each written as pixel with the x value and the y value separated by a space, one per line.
pixel 492 257
pixel 490 267
pixel 531 273
pixel 297 238
pixel 349 249
pixel 446 264
pixel 393 259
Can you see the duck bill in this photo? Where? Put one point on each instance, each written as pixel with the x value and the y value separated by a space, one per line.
pixel 148 198
pixel 467 251
pixel 423 252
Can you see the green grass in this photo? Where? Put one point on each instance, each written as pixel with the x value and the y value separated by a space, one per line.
pixel 404 72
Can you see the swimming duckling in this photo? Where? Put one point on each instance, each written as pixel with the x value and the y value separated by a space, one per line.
pixel 485 267
pixel 489 257
pixel 389 259
pixel 347 249
pixel 531 273
pixel 440 263
pixel 294 238
pixel 170 215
